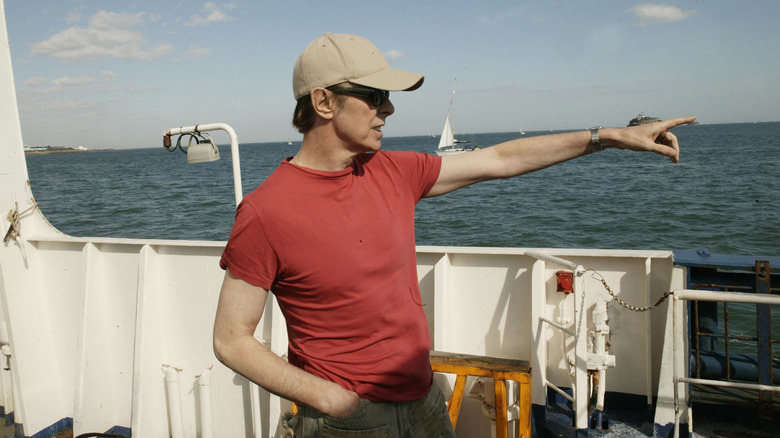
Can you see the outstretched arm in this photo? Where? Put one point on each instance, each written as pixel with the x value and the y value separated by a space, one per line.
pixel 525 155
pixel 238 313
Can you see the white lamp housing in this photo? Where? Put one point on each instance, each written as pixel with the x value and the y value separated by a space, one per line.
pixel 202 151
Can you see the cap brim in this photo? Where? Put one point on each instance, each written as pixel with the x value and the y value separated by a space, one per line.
pixel 391 79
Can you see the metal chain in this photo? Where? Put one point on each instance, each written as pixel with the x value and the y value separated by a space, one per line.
pixel 623 303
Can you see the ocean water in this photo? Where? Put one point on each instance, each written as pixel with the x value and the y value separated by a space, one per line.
pixel 723 196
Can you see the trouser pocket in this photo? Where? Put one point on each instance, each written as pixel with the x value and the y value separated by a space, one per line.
pixel 333 432
pixel 370 420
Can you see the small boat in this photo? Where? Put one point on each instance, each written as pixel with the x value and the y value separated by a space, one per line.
pixel 448 144
pixel 642 119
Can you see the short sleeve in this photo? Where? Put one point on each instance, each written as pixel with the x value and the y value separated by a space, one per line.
pixel 248 253
pixel 420 170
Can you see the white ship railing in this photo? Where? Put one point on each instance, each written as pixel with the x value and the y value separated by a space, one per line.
pixel 679 348
pixel 579 398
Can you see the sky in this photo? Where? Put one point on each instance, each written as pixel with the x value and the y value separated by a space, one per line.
pixel 108 74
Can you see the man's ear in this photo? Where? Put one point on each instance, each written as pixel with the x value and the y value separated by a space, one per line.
pixel 323 102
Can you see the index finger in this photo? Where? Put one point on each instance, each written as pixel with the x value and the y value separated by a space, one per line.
pixel 671 123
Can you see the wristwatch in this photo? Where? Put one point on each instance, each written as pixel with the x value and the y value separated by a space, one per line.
pixel 594 139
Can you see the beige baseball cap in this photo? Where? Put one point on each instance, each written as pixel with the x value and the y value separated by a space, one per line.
pixel 339 57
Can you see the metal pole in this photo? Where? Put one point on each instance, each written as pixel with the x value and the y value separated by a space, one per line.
pixel 239 193
pixel 581 395
pixel 552 259
pixel 675 377
pixel 764 334
pixel 730 297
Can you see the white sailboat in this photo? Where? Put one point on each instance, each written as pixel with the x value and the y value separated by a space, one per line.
pixel 448 144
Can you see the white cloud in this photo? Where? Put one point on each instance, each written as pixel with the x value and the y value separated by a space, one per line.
pixel 67 81
pixel 656 13
pixel 395 55
pixel 112 20
pixel 34 82
pixel 107 76
pixel 195 52
pixel 213 14
pixel 540 17
pixel 73 17
pixel 504 15
pixel 40 103
pixel 108 35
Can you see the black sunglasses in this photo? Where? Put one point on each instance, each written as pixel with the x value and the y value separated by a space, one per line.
pixel 375 96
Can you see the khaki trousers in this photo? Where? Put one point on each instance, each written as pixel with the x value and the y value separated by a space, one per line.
pixel 424 418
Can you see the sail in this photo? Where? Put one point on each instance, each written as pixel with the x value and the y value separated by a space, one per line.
pixel 447 138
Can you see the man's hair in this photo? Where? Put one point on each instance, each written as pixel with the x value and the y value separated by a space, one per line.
pixel 303 116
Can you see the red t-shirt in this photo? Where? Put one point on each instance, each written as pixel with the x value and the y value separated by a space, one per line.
pixel 338 251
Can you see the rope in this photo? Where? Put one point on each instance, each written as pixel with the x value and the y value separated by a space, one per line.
pixel 13 218
pixel 600 278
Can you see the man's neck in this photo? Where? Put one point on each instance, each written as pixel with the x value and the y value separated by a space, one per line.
pixel 320 151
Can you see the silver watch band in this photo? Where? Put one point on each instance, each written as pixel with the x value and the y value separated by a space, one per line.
pixel 594 139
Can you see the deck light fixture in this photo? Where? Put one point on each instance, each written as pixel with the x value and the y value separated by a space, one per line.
pixel 204 149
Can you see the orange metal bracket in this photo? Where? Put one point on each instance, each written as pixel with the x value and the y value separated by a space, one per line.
pixel 498 369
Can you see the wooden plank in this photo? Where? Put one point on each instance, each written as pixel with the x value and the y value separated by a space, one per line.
pixel 485 363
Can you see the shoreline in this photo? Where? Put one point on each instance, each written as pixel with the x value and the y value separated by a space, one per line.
pixel 62 151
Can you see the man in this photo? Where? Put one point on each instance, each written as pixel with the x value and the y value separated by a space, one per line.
pixel 331 234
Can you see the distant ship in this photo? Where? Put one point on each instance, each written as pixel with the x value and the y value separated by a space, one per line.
pixel 642 119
